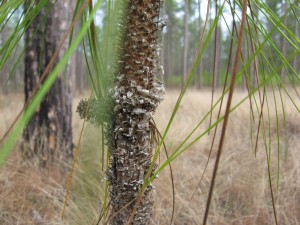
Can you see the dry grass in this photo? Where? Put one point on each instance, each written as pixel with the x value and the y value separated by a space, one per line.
pixel 242 194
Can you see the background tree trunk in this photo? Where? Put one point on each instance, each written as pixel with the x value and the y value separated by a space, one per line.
pixel 162 50
pixel 72 62
pixel 186 40
pixel 296 58
pixel 217 56
pixel 5 69
pixel 284 42
pixel 33 37
pixel 169 41
pixel 137 94
pixel 48 136
pixel 200 66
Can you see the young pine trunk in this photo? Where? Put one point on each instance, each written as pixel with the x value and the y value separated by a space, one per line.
pixel 48 136
pixel 137 94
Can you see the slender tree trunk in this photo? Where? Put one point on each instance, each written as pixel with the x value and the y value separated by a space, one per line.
pixel 200 66
pixel 186 40
pixel 169 61
pixel 162 49
pixel 296 58
pixel 137 94
pixel 48 136
pixel 217 51
pixel 217 56
pixel 5 69
pixel 284 44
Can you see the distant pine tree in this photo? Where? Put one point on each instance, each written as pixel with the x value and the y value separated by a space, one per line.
pixel 48 136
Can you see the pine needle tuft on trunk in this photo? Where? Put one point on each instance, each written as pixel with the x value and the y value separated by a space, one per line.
pixel 126 108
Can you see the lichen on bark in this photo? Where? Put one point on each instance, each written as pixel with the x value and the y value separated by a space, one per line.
pixel 136 94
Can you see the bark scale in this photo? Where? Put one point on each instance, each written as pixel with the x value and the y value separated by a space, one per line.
pixel 136 95
pixel 48 136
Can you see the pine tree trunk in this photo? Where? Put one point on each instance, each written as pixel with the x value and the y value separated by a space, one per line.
pixel 284 44
pixel 217 56
pixel 169 41
pixel 162 51
pixel 200 66
pixel 32 72
pixel 48 136
pixel 72 62
pixel 186 41
pixel 296 58
pixel 5 69
pixel 137 95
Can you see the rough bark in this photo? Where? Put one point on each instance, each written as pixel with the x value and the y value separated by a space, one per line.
pixel 137 94
pixel 33 64
pixel 48 136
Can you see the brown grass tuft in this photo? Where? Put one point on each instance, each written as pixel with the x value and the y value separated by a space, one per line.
pixel 242 195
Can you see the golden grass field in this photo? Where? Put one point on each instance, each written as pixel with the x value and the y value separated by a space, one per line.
pixel 242 192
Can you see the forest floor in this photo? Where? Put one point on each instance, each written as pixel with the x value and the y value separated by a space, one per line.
pixel 242 191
